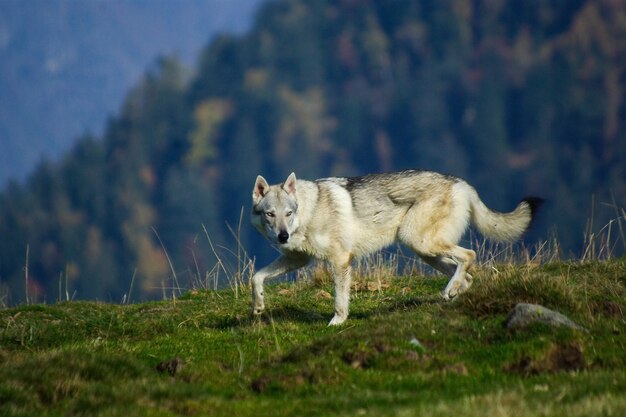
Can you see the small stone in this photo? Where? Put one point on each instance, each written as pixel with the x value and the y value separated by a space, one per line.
pixel 524 314
pixel 417 345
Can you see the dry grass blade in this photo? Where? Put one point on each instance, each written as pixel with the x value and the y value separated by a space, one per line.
pixel 169 261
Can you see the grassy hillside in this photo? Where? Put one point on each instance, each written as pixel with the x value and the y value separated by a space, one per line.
pixel 403 351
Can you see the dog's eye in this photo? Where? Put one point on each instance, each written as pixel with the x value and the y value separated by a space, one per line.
pixel 269 214
pixel 289 213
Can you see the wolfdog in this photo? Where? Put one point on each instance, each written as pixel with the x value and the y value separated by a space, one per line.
pixel 338 219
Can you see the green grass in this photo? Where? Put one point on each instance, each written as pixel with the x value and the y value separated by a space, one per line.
pixel 85 358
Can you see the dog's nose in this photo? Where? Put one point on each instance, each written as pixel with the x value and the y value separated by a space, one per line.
pixel 283 236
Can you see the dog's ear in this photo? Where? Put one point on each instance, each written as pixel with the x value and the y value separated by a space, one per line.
pixel 261 187
pixel 290 184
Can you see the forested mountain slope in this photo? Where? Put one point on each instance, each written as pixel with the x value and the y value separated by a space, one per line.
pixel 517 97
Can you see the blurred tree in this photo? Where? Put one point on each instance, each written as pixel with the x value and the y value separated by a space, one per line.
pixel 514 96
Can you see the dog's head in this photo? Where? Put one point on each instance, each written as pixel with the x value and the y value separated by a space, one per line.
pixel 274 209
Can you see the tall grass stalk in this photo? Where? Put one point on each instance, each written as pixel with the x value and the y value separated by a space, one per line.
pixel 26 274
pixel 176 286
pixel 220 264
pixel 237 275
pixel 603 243
pixel 4 296
pixel 126 298
pixel 60 286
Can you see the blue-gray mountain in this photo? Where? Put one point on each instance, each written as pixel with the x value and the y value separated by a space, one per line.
pixel 65 65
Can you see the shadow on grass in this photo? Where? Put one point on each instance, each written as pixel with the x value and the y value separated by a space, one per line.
pixel 413 303
pixel 292 313
pixel 279 314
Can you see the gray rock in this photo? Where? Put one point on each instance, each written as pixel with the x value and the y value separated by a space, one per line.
pixel 524 314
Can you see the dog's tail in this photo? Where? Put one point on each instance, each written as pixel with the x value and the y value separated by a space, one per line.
pixel 504 226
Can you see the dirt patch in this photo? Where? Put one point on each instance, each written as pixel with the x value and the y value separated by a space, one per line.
pixel 172 366
pixel 261 384
pixel 268 382
pixel 458 368
pixel 358 359
pixel 303 353
pixel 323 295
pixel 287 292
pixel 567 357
pixel 558 358
pixel 364 357
pixel 607 308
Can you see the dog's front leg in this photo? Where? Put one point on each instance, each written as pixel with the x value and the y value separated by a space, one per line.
pixel 280 266
pixel 258 303
pixel 343 280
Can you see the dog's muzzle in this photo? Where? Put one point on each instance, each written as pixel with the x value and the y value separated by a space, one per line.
pixel 283 237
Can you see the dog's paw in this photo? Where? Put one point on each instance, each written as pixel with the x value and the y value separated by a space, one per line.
pixel 448 295
pixel 337 320
pixel 455 288
pixel 465 285
pixel 451 291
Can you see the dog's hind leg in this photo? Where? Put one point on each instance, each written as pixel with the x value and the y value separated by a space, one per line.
pixel 448 267
pixel 461 280
pixel 444 265
pixel 433 229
